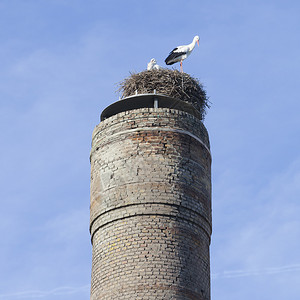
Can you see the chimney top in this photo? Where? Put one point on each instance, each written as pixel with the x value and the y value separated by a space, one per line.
pixel 169 83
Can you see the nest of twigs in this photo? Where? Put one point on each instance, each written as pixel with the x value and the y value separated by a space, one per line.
pixel 167 82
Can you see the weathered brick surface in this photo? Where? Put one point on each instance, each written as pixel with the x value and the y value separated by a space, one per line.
pixel 150 206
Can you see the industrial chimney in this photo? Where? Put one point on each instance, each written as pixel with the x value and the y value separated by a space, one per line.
pixel 151 196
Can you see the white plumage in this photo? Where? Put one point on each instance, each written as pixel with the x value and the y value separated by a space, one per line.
pixel 152 65
pixel 180 53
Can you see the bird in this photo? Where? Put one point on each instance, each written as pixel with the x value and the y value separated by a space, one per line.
pixel 152 65
pixel 180 53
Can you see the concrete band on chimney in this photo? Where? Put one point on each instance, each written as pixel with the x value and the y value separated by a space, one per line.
pixel 150 206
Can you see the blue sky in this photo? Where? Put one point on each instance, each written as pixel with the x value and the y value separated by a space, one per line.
pixel 60 63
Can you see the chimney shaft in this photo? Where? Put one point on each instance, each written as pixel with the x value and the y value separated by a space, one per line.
pixel 150 206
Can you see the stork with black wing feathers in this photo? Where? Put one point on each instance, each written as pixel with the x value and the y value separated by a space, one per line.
pixel 180 53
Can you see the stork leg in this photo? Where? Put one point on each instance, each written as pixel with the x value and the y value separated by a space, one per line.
pixel 181 69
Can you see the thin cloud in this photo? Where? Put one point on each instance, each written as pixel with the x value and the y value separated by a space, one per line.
pixel 257 272
pixel 65 290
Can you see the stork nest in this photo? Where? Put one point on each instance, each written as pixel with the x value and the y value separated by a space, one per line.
pixel 171 83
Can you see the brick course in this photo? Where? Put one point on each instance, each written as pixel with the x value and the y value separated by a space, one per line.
pixel 150 206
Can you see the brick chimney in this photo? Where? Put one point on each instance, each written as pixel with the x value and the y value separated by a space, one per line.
pixel 150 201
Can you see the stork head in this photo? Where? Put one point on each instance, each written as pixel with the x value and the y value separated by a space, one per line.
pixel 196 39
pixel 153 60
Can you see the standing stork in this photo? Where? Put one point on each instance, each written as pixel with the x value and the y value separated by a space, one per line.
pixel 180 53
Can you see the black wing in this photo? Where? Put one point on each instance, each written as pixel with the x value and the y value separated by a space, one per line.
pixel 174 57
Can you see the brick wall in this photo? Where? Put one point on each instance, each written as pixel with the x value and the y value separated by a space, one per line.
pixel 150 206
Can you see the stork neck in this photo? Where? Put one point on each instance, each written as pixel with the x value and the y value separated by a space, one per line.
pixel 192 44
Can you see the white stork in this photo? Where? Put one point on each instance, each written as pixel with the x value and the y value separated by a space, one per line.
pixel 152 65
pixel 180 53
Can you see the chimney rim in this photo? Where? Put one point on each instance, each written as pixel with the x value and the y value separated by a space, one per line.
pixel 148 101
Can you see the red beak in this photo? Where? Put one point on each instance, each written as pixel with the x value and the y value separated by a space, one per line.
pixel 198 43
